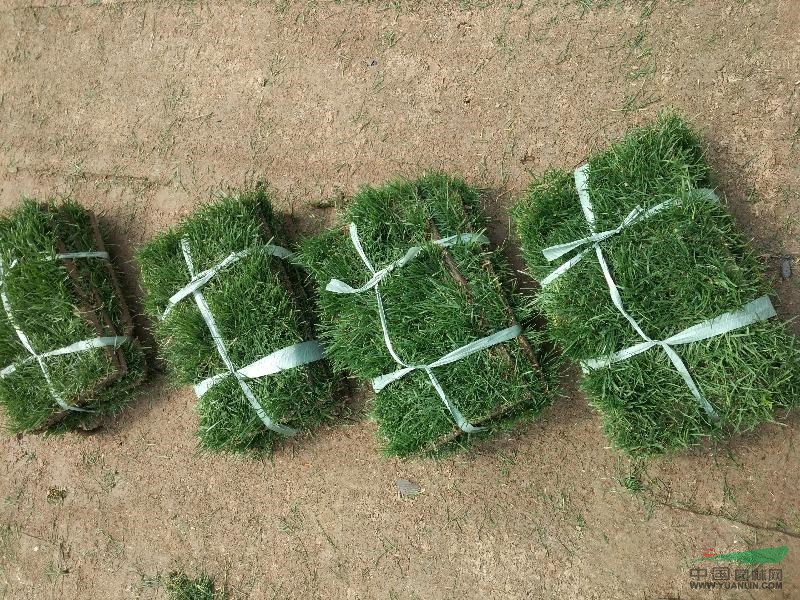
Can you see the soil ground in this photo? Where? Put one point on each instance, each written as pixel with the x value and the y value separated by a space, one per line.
pixel 143 109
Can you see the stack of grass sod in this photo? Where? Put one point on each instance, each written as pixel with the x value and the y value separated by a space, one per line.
pixel 232 318
pixel 440 288
pixel 675 267
pixel 66 348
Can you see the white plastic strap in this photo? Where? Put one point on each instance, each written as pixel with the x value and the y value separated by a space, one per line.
pixel 81 346
pixel 478 345
pixel 66 256
pixel 339 287
pixel 73 255
pixel 498 337
pixel 582 187
pixel 204 277
pixel 757 310
pixel 100 342
pixel 382 381
pixel 593 240
pixel 280 360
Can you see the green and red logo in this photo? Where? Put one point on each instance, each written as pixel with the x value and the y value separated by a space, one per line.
pixel 758 556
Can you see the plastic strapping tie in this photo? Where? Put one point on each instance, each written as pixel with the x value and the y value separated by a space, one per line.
pixel 285 358
pixel 378 383
pixel 593 241
pixel 82 346
pixel 757 310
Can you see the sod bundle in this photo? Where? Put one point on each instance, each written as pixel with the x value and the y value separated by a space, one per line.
pixel 674 269
pixel 439 301
pixel 53 299
pixel 259 306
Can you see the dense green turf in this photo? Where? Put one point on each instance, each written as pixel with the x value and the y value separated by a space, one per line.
pixel 429 313
pixel 54 311
pixel 260 307
pixel 678 268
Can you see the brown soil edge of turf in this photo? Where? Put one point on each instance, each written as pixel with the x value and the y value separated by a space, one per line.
pixel 91 308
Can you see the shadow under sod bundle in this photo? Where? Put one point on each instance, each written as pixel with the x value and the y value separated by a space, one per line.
pixel 66 344
pixel 412 299
pixel 233 320
pixel 649 286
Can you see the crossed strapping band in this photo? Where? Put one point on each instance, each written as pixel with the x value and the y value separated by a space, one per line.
pixel 82 346
pixel 280 360
pixel 757 310
pixel 377 275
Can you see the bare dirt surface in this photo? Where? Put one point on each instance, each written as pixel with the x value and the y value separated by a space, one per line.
pixel 143 109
